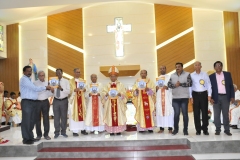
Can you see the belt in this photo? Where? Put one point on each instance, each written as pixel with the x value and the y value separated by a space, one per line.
pixel 221 94
pixel 42 100
pixel 29 100
pixel 199 92
pixel 60 99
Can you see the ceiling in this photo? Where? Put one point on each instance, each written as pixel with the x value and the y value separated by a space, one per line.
pixel 13 11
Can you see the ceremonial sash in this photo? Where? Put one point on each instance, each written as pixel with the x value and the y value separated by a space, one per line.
pixel 95 110
pixel 146 109
pixel 114 109
pixel 10 105
pixel 79 104
pixel 163 100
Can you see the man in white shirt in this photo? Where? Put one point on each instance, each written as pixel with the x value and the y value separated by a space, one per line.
pixel 200 94
pixel 60 105
pixel 42 107
pixel 234 110
pixel 164 109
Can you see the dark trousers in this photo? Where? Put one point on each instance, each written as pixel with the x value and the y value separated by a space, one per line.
pixel 42 107
pixel 60 109
pixel 181 103
pixel 221 106
pixel 28 119
pixel 200 105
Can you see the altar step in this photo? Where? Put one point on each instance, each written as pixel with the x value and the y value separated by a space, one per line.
pixel 4 128
pixel 116 150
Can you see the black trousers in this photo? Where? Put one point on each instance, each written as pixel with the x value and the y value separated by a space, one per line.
pixel 42 107
pixel 28 119
pixel 200 105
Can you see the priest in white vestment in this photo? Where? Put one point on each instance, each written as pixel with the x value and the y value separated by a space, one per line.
pixel 234 110
pixel 114 104
pixel 77 105
pixel 164 109
pixel 94 114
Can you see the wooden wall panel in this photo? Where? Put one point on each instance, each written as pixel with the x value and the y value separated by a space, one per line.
pixel 9 67
pixel 68 27
pixel 231 28
pixel 180 50
pixel 169 22
pixel 60 56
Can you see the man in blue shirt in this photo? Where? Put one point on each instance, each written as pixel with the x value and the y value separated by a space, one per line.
pixel 29 95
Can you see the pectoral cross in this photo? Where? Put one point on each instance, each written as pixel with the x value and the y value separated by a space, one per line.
pixel 119 28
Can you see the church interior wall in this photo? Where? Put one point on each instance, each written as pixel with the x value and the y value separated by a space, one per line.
pixel 33 42
pixel 139 44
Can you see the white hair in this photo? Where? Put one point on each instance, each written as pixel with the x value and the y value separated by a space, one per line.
pixel 41 72
pixel 235 86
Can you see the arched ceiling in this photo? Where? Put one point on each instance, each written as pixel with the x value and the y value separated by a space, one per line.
pixel 13 11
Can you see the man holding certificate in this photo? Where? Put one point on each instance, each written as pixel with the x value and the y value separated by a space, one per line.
pixel 114 104
pixel 94 115
pixel 77 109
pixel 143 100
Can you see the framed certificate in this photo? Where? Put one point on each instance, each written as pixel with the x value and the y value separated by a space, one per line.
pixel 142 85
pixel 113 93
pixel 160 82
pixel 94 89
pixel 81 85
pixel 53 82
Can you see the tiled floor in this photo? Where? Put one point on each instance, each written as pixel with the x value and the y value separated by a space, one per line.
pixel 14 135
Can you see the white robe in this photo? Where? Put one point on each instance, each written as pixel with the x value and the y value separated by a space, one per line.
pixel 167 119
pixel 234 111
pixel 88 119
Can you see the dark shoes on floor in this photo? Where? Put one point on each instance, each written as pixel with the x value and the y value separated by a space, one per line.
pixel 228 133
pixel 185 133
pixel 47 137
pixel 174 132
pixel 198 133
pixel 29 142
pixel 75 134
pixel 206 133
pixel 84 132
pixel 111 134
pixel 119 134
pixel 64 135
pixel 56 136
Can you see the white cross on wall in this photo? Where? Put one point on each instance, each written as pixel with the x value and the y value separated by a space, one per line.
pixel 119 28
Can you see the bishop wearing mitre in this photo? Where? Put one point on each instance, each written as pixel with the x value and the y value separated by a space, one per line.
pixel 114 104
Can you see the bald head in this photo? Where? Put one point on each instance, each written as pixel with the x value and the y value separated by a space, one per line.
pixel 197 66
pixel 93 78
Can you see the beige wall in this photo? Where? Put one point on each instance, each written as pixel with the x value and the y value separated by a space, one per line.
pixel 139 44
pixel 209 37
pixel 4 53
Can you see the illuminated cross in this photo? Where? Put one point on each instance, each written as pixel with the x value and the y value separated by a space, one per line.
pixel 119 28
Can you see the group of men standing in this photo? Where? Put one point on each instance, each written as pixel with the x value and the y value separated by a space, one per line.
pixel 97 108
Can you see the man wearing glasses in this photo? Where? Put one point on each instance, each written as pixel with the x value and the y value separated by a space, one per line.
pixel 222 95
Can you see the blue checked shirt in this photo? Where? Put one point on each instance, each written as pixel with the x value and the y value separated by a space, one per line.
pixel 28 89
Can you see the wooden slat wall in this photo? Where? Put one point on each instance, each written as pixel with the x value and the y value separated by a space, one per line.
pixel 9 67
pixel 231 28
pixel 170 21
pixel 68 27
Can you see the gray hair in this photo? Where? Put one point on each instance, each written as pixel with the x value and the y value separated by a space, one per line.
pixel 75 69
pixel 41 72
pixel 235 86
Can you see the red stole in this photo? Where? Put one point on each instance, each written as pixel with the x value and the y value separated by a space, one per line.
pixel 79 104
pixel 146 109
pixel 114 109
pixel 163 100
pixel 95 110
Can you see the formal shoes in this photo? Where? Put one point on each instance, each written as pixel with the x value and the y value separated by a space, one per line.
pixel 119 134
pixel 206 133
pixel 75 134
pixel 141 131
pixel 198 133
pixel 234 127
pixel 111 134
pixel 228 133
pixel 217 133
pixel 64 135
pixel 150 131
pixel 84 132
pixel 36 139
pixel 185 133
pixel 161 131
pixel 56 136
pixel 47 137
pixel 28 142
pixel 174 132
